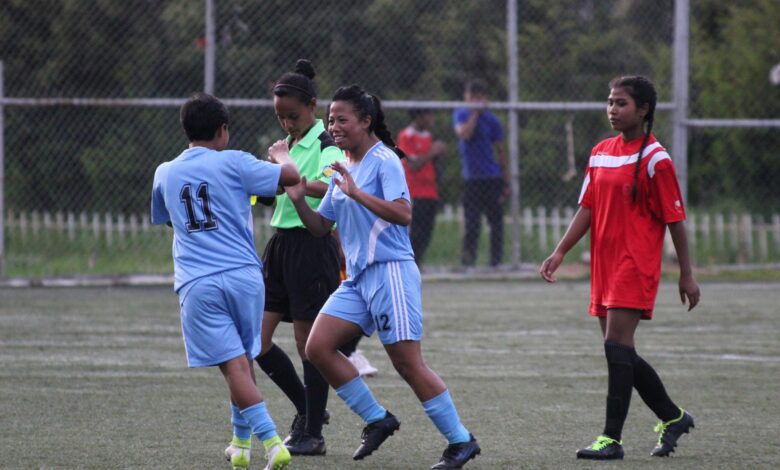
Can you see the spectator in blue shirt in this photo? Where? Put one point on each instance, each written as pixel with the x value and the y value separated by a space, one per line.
pixel 485 171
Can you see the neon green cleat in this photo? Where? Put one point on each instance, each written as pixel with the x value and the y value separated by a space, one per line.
pixel 237 453
pixel 603 448
pixel 277 454
pixel 670 432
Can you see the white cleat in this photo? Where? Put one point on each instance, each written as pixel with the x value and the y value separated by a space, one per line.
pixel 278 457
pixel 361 363
pixel 238 454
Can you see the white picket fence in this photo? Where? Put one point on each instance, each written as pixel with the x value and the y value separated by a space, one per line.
pixel 741 238
pixel 106 226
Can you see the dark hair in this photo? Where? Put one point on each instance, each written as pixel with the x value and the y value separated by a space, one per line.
pixel 297 83
pixel 365 106
pixel 477 86
pixel 414 112
pixel 643 92
pixel 202 116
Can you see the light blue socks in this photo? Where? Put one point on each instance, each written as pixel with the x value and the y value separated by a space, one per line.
pixel 442 412
pixel 259 421
pixel 241 427
pixel 359 399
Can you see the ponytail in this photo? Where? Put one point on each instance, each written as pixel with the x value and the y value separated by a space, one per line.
pixel 634 187
pixel 643 92
pixel 365 106
pixel 380 128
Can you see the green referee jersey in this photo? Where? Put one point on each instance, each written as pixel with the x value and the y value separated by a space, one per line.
pixel 315 151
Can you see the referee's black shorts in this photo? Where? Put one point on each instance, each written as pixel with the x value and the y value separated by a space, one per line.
pixel 300 272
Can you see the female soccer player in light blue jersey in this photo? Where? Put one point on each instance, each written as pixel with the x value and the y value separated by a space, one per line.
pixel 370 202
pixel 204 195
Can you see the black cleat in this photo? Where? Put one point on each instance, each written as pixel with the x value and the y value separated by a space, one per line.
pixel 670 432
pixel 456 455
pixel 603 448
pixel 298 427
pixel 375 434
pixel 296 430
pixel 307 445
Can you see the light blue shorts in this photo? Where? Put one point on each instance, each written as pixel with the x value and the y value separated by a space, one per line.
pixel 221 315
pixel 386 298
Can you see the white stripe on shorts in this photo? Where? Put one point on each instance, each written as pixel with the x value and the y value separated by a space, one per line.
pixel 404 310
pixel 396 317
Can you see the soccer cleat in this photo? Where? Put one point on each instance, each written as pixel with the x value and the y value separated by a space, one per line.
pixel 277 454
pixel 375 434
pixel 307 445
pixel 298 427
pixel 365 369
pixel 237 453
pixel 456 455
pixel 603 448
pixel 670 432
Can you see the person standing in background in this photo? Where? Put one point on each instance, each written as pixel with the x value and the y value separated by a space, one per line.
pixel 421 151
pixel 485 172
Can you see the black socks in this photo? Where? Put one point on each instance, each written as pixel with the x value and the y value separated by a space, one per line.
pixel 627 371
pixel 278 367
pixel 620 363
pixel 316 398
pixel 652 391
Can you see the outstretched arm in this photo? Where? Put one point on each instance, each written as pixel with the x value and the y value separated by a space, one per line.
pixel 577 229
pixel 277 153
pixel 687 285
pixel 318 225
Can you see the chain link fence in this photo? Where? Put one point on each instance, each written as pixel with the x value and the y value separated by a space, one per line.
pixel 90 90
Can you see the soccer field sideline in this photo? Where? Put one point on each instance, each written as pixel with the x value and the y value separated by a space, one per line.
pixel 98 372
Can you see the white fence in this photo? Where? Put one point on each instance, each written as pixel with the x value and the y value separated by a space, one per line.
pixel 713 237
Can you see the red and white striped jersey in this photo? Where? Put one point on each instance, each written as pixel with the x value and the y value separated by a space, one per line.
pixel 627 235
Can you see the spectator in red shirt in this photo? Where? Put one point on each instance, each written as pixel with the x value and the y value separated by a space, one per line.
pixel 629 197
pixel 421 152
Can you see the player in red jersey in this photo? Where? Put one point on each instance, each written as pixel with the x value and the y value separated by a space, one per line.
pixel 627 202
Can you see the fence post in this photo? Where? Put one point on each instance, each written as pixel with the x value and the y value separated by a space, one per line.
pixel 680 97
pixel 2 176
pixel 541 213
pixel 514 147
pixel 209 48
pixel 71 226
pixel 762 230
pixel 746 245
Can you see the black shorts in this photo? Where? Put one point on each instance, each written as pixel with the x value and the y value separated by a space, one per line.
pixel 300 272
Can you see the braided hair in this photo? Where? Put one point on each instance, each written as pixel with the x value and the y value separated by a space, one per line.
pixel 298 83
pixel 365 106
pixel 643 92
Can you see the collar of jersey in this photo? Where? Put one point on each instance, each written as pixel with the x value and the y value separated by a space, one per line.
pixel 311 136
pixel 192 151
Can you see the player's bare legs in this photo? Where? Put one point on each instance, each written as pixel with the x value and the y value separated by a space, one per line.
pixel 620 325
pixel 407 359
pixel 240 377
pixel 271 320
pixel 322 348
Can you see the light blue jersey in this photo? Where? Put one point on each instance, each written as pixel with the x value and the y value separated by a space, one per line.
pixel 205 195
pixel 365 237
